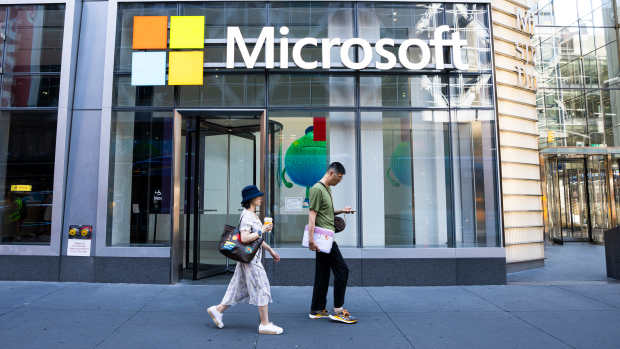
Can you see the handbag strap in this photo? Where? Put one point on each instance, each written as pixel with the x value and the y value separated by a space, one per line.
pixel 328 192
pixel 239 225
pixel 331 198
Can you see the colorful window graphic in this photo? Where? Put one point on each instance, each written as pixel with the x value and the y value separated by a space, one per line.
pixel 148 68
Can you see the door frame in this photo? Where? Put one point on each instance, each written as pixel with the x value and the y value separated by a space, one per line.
pixel 176 239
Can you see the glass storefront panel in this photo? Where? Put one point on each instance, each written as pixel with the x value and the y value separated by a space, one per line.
pixel 311 90
pixel 471 21
pixel 398 21
pixel 301 151
pixel 126 95
pixel 421 91
pixel 30 90
pixel 33 37
pixel 468 91
pixel 140 167
pixel 30 55
pixel 449 156
pixel 474 168
pixel 406 151
pixel 598 196
pixel 232 90
pixel 124 28
pixel 250 17
pixel 315 20
pixel 26 176
pixel 437 191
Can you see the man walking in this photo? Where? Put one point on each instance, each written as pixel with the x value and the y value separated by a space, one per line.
pixel 321 215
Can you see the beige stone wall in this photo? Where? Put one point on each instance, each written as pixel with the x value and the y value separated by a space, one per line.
pixel 516 109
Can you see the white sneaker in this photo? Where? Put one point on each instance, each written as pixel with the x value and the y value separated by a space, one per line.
pixel 216 316
pixel 270 329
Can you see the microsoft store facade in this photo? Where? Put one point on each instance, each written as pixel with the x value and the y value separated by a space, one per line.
pixel 130 127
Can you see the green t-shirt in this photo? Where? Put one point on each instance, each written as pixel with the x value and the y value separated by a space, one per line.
pixel 321 203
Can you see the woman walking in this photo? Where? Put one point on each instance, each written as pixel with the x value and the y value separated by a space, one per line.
pixel 249 283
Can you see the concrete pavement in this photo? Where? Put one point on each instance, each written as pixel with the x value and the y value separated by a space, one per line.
pixel 73 315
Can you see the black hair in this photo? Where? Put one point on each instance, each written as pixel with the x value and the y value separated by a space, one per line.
pixel 246 204
pixel 336 167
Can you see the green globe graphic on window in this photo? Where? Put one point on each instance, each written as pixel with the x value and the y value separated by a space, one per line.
pixel 305 162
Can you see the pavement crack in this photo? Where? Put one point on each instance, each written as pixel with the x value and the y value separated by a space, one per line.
pixel 390 318
pixel 127 320
pixel 519 318
pixel 22 305
pixel 586 296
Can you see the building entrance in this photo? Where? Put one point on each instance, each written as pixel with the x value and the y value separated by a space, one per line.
pixel 580 198
pixel 221 151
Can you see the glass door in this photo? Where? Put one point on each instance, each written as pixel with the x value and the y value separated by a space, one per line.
pixel 221 155
pixel 573 192
pixel 598 195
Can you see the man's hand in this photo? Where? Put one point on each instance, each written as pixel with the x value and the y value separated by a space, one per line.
pixel 345 210
pixel 312 246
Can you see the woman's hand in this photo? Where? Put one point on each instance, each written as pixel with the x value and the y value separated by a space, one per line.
pixel 275 255
pixel 267 228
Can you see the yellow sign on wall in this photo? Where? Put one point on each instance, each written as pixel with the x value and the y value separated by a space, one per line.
pixel 21 187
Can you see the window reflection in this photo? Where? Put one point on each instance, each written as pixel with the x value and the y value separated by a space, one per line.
pixel 306 89
pixel 140 165
pixel 578 67
pixel 26 176
pixel 303 147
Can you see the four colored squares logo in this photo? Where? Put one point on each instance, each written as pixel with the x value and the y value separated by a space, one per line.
pixel 150 45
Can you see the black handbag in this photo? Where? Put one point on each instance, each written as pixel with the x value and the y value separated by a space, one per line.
pixel 231 246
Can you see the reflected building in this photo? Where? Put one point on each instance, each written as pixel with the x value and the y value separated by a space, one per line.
pixel 578 102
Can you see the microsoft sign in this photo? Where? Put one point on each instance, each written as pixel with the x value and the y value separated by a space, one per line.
pixel 266 41
pixel 180 60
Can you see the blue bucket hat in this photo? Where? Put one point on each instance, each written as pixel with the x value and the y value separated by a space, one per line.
pixel 250 192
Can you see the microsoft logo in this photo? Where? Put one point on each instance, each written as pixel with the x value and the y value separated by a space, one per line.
pixel 150 41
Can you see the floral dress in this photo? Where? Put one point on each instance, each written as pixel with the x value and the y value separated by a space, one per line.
pixel 249 283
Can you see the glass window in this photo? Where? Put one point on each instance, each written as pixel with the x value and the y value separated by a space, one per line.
pixel 33 38
pixel 471 21
pixel 126 95
pixel 398 21
pixel 225 90
pixel 405 153
pixel 140 165
pixel 124 28
pixel 311 89
pixel 250 17
pixel 314 20
pixel 26 176
pixel 3 12
pixel 423 91
pixel 471 91
pixel 474 165
pixel 302 149
pixel 565 12
pixel 590 71
pixel 30 90
pixel 596 120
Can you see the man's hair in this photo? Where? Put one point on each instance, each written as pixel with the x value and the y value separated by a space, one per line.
pixel 336 167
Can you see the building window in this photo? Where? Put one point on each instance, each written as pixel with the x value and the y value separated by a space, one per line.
pixel 30 55
pixel 426 141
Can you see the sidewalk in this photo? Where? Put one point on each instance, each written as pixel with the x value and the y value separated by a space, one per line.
pixel 71 315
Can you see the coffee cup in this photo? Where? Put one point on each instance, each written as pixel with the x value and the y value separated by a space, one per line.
pixel 268 221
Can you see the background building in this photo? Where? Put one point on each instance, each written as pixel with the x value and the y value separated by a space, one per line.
pixel 578 102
